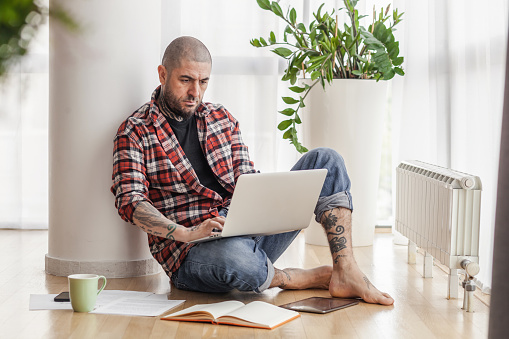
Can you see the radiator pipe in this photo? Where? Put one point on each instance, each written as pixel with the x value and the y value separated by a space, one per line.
pixel 471 269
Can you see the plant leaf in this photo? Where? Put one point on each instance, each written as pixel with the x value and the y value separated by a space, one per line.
pixel 282 51
pixel 276 9
pixel 256 43
pixel 290 100
pixel 287 134
pixel 287 111
pixel 297 89
pixel 398 61
pixel 264 4
pixel 315 75
pixel 285 124
pixel 399 71
pixel 272 38
pixel 293 16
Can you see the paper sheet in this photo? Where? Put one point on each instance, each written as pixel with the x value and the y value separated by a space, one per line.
pixel 113 302
pixel 141 307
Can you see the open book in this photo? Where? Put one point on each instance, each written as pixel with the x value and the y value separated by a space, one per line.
pixel 257 314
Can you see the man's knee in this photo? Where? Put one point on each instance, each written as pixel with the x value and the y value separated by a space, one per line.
pixel 229 263
pixel 321 157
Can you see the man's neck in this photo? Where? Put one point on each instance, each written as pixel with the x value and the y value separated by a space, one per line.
pixel 165 110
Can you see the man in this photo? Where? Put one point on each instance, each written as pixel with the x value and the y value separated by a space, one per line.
pixel 176 161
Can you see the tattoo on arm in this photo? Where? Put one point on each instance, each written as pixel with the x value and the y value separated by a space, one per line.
pixel 148 218
pixel 171 229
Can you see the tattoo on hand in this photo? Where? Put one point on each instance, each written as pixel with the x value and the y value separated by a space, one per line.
pixel 171 229
pixel 368 283
pixel 330 221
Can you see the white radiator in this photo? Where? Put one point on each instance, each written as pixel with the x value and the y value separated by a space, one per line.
pixel 438 210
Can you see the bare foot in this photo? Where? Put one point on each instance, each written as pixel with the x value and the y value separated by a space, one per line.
pixel 300 279
pixel 350 282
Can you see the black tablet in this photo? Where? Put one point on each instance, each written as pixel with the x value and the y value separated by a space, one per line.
pixel 320 305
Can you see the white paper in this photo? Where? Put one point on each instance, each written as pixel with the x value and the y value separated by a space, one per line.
pixel 148 307
pixel 108 296
pixel 113 302
pixel 46 302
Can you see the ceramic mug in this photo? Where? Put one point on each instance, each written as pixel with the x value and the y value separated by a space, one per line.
pixel 83 291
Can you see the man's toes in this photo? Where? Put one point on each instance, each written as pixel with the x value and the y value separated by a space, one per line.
pixel 386 299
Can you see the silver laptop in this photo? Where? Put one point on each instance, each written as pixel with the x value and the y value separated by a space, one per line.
pixel 270 203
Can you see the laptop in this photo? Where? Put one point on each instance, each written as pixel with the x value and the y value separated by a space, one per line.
pixel 271 203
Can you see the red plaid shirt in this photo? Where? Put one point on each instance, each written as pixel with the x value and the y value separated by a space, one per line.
pixel 149 165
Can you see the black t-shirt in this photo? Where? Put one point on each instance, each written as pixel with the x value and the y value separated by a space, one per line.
pixel 187 135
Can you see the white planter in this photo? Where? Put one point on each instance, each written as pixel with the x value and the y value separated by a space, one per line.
pixel 349 117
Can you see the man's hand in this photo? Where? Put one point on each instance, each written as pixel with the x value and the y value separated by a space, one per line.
pixel 205 229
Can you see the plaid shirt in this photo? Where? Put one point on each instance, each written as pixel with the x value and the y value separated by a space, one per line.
pixel 149 165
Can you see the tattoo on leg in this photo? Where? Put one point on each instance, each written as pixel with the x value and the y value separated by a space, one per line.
pixel 283 284
pixel 338 231
pixel 337 244
pixel 171 229
pixel 336 259
pixel 368 283
pixel 330 221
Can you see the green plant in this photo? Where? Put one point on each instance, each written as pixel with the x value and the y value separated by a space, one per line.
pixel 19 21
pixel 326 52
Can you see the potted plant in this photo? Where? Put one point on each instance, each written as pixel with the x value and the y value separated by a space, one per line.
pixel 345 111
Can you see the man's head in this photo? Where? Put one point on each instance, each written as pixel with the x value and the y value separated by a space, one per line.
pixel 184 76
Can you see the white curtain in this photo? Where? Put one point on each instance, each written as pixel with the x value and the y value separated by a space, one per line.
pixel 447 109
pixel 24 139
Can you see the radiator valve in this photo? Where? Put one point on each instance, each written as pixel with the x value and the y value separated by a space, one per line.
pixel 470 267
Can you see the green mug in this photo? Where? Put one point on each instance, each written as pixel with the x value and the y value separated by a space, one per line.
pixel 83 291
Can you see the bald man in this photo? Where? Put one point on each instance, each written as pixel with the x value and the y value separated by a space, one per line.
pixel 176 161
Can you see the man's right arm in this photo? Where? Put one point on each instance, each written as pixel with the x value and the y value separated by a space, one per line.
pixel 130 187
pixel 149 219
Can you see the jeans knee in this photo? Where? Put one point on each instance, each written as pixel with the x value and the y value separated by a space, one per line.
pixel 321 157
pixel 327 155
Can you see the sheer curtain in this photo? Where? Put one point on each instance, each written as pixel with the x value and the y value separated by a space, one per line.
pixel 447 109
pixel 24 139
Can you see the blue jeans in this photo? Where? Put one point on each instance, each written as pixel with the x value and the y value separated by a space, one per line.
pixel 245 263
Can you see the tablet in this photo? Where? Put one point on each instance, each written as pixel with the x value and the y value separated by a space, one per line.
pixel 320 305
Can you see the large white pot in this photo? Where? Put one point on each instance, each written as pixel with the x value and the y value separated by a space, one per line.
pixel 349 117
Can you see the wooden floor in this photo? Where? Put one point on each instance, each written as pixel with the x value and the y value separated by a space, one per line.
pixel 421 309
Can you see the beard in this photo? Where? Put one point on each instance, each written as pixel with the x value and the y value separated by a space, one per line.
pixel 171 104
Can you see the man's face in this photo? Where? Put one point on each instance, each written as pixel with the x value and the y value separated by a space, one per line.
pixel 184 88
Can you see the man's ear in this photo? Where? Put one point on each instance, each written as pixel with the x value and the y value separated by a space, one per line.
pixel 162 74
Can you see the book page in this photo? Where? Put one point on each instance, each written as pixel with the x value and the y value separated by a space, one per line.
pixel 259 312
pixel 216 310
